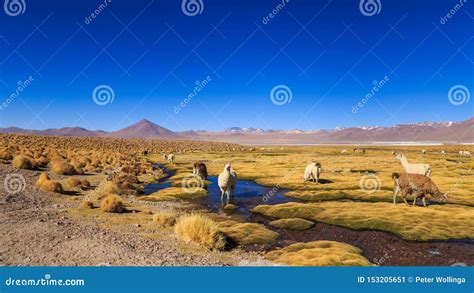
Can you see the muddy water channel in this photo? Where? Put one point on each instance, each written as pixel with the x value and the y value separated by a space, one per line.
pixel 379 247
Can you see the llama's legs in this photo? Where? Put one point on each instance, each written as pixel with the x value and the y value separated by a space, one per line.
pixel 230 198
pixel 222 196
pixel 405 200
pixel 424 201
pixel 395 192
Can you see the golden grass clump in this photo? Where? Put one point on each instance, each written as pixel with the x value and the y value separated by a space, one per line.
pixel 23 162
pixel 73 182
pixel 112 203
pixel 87 204
pixel 319 253
pixel 113 187
pixel 165 219
pixel 292 224
pixel 5 155
pixel 200 229
pixel 85 184
pixel 175 193
pixel 46 184
pixel 249 233
pixel 62 168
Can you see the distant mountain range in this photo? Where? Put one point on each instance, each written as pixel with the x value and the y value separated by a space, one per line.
pixel 445 132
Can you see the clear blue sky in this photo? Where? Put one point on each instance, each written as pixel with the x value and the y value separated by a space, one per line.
pixel 151 54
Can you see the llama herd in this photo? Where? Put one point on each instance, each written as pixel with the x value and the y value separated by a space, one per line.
pixel 415 181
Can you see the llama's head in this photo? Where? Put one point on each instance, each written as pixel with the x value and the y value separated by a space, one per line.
pixel 399 156
pixel 227 167
pixel 442 197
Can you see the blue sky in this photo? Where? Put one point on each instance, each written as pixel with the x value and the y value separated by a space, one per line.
pixel 328 53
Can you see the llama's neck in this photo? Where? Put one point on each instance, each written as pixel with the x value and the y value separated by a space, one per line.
pixel 404 161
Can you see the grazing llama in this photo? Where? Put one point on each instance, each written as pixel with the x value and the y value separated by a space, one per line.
pixel 421 169
pixel 344 152
pixel 417 185
pixel 227 180
pixel 170 158
pixel 359 151
pixel 465 153
pixel 312 172
pixel 200 170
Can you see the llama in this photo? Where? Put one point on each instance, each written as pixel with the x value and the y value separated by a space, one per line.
pixel 312 172
pixel 227 180
pixel 200 170
pixel 423 152
pixel 359 151
pixel 421 169
pixel 170 158
pixel 418 185
pixel 344 152
pixel 465 153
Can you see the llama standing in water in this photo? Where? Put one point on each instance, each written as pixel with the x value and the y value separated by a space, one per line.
pixel 227 180
pixel 421 169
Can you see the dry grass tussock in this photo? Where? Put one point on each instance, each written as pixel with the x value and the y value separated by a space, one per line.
pixel 319 253
pixel 62 168
pixel 112 203
pixel 46 184
pixel 165 219
pixel 200 229
pixel 23 162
